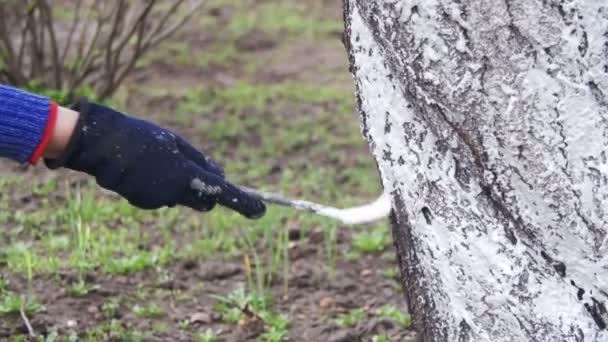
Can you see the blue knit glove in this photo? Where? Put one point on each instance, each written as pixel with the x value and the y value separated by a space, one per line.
pixel 150 166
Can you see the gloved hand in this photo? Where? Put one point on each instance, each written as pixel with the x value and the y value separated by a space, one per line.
pixel 150 166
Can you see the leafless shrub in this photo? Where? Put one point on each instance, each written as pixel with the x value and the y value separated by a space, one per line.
pixel 98 46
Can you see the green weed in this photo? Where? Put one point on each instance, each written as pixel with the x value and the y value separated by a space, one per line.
pixel 350 318
pixel 11 303
pixel 110 308
pixel 391 273
pixel 114 330
pixel 208 336
pixel 380 338
pixel 276 327
pixel 371 241
pixel 391 312
pixel 240 304
pixel 132 263
pixel 79 288
pixel 151 311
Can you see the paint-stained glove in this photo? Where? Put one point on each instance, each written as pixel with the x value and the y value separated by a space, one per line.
pixel 150 166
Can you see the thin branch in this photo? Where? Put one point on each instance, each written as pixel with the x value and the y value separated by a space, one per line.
pixel 101 46
pixel 137 25
pixel 23 42
pixel 6 47
pixel 163 21
pixel 110 69
pixel 46 16
pixel 69 39
pixel 35 58
pixel 137 53
pixel 145 44
pixel 4 34
pixel 91 55
pixel 10 78
pixel 82 40
pixel 160 36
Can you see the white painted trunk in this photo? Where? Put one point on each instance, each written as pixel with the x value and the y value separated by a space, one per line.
pixel 489 122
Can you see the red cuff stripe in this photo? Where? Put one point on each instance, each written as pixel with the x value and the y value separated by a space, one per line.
pixel 46 137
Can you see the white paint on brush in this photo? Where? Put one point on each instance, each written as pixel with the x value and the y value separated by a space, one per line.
pixel 368 213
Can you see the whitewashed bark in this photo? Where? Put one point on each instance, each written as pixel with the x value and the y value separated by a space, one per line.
pixel 489 123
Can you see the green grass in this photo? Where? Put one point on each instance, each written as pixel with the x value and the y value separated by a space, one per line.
pixel 278 20
pixel 284 17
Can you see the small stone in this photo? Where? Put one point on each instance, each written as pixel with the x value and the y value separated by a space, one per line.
pixel 327 302
pixel 71 323
pixel 366 273
pixel 215 316
pixel 201 318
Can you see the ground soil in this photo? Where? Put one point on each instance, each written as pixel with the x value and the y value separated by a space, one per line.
pixel 312 300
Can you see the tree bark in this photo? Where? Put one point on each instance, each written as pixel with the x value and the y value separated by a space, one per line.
pixel 489 123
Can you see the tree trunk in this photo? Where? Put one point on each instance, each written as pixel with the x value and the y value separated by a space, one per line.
pixel 489 123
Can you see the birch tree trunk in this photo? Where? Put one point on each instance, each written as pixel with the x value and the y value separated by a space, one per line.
pixel 489 123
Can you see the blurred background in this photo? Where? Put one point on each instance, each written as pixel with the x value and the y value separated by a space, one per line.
pixel 261 86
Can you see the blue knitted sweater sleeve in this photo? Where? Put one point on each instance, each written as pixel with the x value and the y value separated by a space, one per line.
pixel 23 120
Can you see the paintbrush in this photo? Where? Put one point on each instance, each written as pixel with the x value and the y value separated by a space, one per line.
pixel 367 213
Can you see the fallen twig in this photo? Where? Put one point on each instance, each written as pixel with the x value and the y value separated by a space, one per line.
pixel 26 321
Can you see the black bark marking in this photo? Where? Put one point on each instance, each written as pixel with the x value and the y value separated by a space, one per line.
pixel 580 293
pixel 387 155
pixel 584 44
pixel 465 329
pixel 462 175
pixel 387 123
pixel 428 216
pixel 597 94
pixel 598 312
pixel 557 265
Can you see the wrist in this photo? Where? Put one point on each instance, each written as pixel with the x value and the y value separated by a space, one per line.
pixel 61 133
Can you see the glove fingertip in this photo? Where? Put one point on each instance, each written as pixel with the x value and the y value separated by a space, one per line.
pixel 257 212
pixel 245 205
